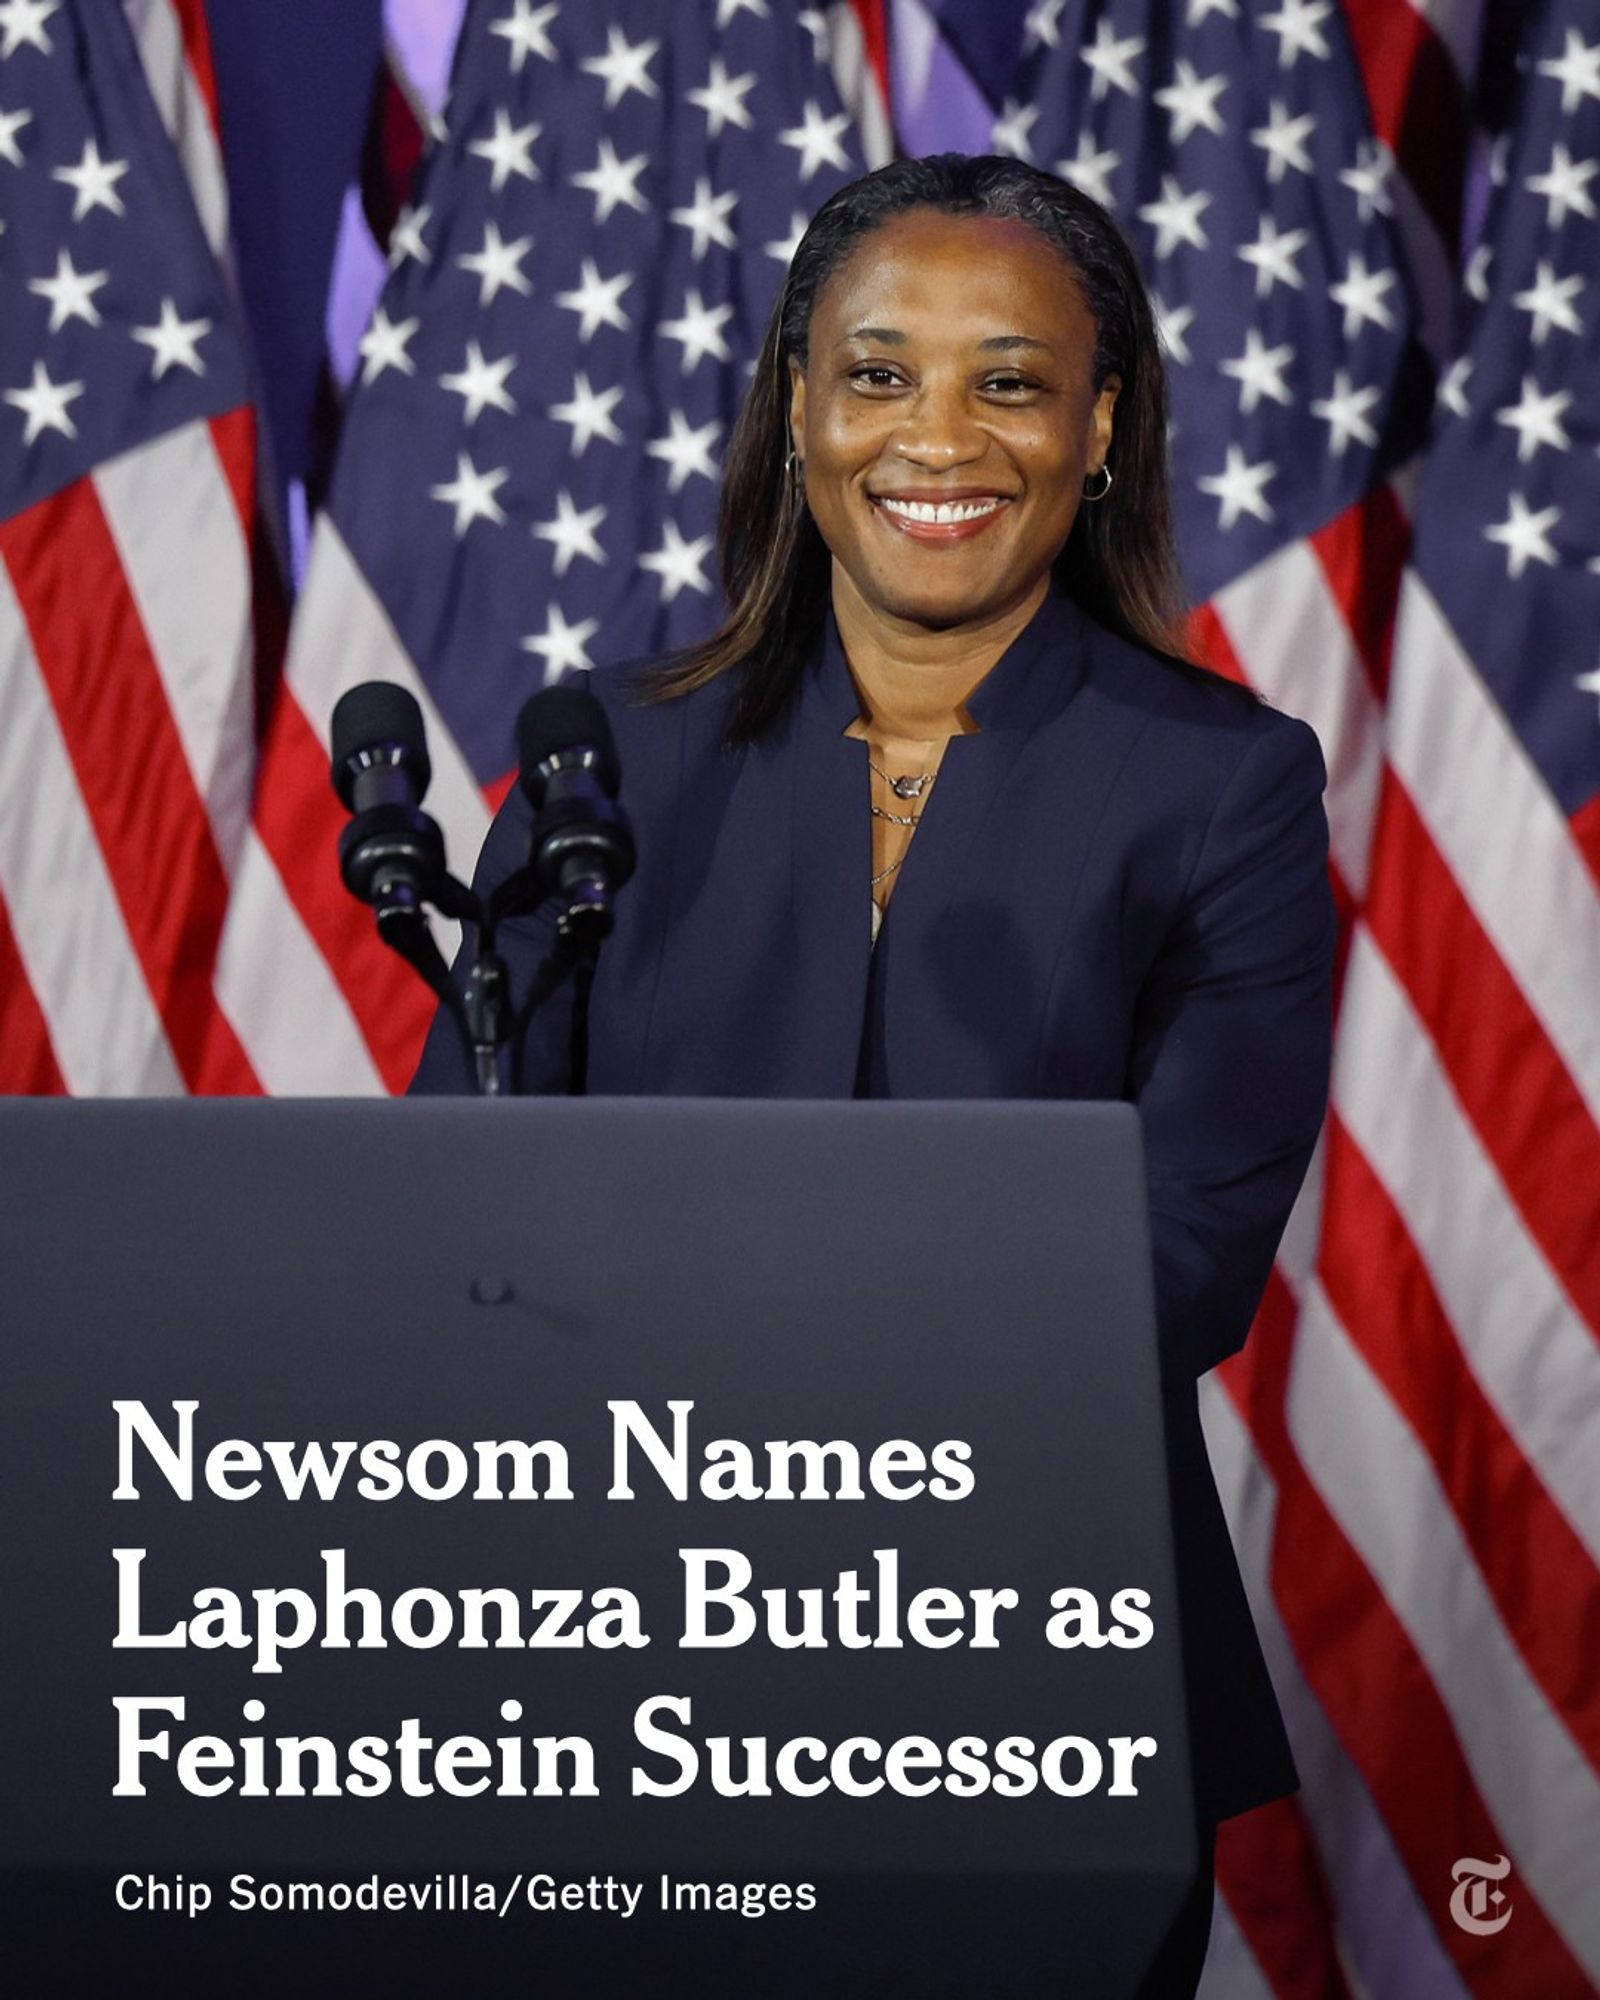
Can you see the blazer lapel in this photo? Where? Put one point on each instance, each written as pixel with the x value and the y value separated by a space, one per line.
pixel 963 874
pixel 973 770
pixel 830 859
pixel 830 875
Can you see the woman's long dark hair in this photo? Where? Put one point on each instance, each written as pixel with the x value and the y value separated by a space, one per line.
pixel 1118 562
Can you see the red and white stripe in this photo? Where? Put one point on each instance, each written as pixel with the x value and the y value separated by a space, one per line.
pixel 858 55
pixel 162 945
pixel 1331 1835
pixel 1401 1446
pixel 1423 1519
pixel 170 913
pixel 69 939
pixel 175 49
pixel 75 605
pixel 1408 1482
pixel 115 848
pixel 342 636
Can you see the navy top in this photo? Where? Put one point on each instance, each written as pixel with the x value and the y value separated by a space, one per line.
pixel 1118 889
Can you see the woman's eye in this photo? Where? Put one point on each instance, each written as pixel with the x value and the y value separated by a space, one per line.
pixel 875 376
pixel 1009 385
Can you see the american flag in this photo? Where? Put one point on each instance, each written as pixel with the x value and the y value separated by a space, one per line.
pixel 1372 228
pixel 1451 1308
pixel 127 523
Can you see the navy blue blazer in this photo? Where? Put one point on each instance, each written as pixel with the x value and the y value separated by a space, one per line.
pixel 1118 890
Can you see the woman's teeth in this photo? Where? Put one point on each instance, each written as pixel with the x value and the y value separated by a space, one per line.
pixel 945 512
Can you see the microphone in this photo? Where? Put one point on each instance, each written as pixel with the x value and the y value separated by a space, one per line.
pixel 391 854
pixel 583 848
pixel 380 748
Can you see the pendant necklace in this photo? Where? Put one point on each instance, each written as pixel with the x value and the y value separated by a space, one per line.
pixel 908 788
pixel 912 787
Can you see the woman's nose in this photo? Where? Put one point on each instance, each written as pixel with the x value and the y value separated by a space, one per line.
pixel 938 430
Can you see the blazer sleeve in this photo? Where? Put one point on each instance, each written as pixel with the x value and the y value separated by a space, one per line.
pixel 1232 1041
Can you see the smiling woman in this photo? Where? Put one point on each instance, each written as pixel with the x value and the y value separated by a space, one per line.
pixel 950 672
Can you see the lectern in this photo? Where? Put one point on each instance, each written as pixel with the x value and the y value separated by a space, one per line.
pixel 699 1501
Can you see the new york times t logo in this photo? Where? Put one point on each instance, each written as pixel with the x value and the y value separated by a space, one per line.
pixel 1476 1906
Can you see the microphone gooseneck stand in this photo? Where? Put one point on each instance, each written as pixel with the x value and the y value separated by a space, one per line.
pixel 392 856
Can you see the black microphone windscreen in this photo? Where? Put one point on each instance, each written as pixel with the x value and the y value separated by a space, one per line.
pixel 565 718
pixel 375 716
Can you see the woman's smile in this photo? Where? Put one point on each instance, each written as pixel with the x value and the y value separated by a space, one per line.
pixel 939 517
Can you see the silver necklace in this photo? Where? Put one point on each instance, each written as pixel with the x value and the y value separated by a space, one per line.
pixel 911 787
pixel 883 874
pixel 908 788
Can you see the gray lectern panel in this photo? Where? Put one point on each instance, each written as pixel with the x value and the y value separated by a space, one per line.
pixel 879 1378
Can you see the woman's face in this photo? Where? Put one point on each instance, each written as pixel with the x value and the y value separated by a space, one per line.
pixel 951 368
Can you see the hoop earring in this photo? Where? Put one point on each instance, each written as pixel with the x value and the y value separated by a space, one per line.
pixel 1101 492
pixel 794 471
